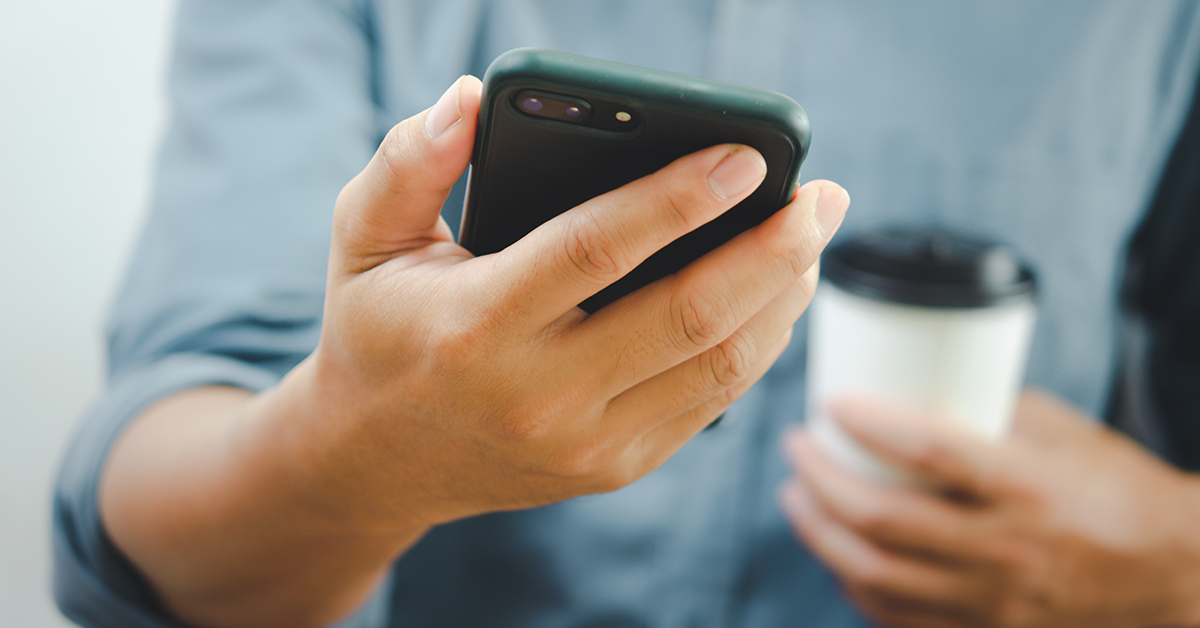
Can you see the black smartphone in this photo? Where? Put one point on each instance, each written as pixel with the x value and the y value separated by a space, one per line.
pixel 556 130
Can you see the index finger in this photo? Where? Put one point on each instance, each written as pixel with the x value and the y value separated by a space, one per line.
pixel 898 517
pixel 583 250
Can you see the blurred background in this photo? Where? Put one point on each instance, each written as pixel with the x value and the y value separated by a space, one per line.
pixel 81 107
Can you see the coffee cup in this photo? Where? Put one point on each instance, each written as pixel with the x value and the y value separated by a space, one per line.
pixel 930 320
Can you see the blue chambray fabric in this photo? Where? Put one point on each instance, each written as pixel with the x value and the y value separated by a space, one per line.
pixel 1045 125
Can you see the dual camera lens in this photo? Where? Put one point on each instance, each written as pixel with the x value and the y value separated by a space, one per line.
pixel 533 104
pixel 596 114
pixel 548 106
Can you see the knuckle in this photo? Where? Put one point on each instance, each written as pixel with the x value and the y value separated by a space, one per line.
pixel 459 344
pixel 809 279
pixel 797 248
pixel 523 426
pixel 527 421
pixel 539 422
pixel 601 466
pixel 393 153
pixel 733 393
pixel 730 361
pixel 591 255
pixel 577 463
pixel 614 479
pixel 714 406
pixel 678 205
pixel 699 322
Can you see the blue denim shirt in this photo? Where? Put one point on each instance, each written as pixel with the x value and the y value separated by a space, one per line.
pixel 1045 125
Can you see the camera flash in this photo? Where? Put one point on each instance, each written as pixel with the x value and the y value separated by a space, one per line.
pixel 623 116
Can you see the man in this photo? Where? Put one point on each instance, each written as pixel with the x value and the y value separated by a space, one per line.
pixel 390 432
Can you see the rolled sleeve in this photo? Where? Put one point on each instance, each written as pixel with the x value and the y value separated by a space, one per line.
pixel 272 111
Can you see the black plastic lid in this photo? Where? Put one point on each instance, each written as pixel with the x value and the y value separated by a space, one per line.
pixel 931 268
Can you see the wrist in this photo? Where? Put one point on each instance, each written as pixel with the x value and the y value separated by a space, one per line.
pixel 206 494
pixel 323 453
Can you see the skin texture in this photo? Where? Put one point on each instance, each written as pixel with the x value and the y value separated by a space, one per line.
pixel 1067 524
pixel 446 386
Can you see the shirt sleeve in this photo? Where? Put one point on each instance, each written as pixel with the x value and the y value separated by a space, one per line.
pixel 272 111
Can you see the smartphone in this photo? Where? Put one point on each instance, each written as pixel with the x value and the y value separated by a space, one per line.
pixel 556 130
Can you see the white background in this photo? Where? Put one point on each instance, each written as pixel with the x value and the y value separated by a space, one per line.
pixel 80 112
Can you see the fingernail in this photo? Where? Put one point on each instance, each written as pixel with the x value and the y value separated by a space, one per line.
pixel 445 113
pixel 832 203
pixel 739 171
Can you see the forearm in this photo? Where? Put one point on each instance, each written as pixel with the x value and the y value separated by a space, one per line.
pixel 209 493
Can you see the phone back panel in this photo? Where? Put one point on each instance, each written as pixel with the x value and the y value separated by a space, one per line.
pixel 527 170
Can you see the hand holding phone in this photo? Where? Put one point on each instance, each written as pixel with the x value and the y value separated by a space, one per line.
pixel 447 385
pixel 556 130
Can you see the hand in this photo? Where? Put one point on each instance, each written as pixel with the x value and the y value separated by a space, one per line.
pixel 446 385
pixel 1067 524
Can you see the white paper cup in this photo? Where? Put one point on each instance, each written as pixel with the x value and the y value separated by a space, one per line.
pixel 936 322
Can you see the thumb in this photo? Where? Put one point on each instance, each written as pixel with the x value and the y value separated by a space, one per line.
pixel 394 204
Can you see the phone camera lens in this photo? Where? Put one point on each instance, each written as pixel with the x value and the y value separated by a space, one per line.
pixel 531 104
pixel 574 111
